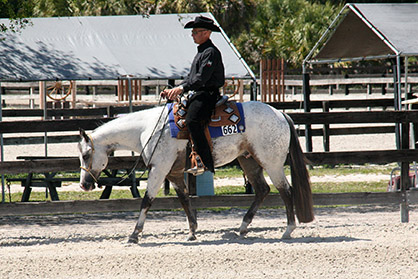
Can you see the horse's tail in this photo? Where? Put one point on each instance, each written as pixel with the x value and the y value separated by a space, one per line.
pixel 301 185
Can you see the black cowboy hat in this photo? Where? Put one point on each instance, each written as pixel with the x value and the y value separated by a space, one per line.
pixel 202 22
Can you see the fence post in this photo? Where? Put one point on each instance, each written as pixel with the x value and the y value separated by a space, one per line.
pixel 2 148
pixel 253 91
pixel 325 129
pixel 405 181
pixel 73 94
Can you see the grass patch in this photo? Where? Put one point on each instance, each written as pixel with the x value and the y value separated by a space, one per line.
pixel 319 170
pixel 349 187
pixel 323 187
pixel 228 172
pixel 327 187
pixel 351 169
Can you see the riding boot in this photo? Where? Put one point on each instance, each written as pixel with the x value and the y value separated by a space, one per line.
pixel 201 146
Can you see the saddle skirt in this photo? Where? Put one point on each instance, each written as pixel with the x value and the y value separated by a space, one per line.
pixel 228 119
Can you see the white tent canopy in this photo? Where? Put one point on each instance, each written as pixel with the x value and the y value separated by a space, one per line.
pixel 369 31
pixel 108 47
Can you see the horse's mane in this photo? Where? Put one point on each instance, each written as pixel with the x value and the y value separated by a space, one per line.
pixel 133 117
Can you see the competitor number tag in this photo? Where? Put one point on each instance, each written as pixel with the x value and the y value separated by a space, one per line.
pixel 229 130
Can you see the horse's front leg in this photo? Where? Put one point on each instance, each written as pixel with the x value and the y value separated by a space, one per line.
pixel 155 180
pixel 145 206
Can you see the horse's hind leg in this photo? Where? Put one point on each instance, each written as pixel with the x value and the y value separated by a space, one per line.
pixel 281 183
pixel 183 195
pixel 254 173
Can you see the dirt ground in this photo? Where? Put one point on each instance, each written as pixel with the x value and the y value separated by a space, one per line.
pixel 351 242
pixel 344 242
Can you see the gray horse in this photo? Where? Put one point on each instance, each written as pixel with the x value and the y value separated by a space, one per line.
pixel 268 139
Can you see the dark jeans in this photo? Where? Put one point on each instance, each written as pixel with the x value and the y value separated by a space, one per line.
pixel 200 109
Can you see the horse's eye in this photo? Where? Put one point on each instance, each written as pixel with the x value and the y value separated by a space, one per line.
pixel 86 157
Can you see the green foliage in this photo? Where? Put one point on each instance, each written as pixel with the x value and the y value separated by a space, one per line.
pixel 286 29
pixel 49 8
pixel 16 11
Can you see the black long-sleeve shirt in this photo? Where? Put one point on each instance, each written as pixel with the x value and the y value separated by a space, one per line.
pixel 207 72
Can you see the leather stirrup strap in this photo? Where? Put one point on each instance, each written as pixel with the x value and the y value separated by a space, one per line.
pixel 195 159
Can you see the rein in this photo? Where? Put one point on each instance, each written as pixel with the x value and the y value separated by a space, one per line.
pixel 127 174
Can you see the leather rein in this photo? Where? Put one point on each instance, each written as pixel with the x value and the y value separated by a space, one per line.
pixel 88 170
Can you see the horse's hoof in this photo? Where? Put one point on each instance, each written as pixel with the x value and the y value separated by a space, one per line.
pixel 191 237
pixel 133 240
pixel 243 230
pixel 286 236
pixel 288 232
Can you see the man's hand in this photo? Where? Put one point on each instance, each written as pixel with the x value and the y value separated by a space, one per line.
pixel 171 94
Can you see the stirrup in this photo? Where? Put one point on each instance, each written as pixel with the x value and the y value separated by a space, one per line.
pixel 197 165
pixel 196 170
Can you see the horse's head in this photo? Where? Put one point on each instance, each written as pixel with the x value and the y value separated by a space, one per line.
pixel 93 159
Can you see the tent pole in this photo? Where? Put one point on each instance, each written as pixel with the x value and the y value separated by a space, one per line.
pixel 396 102
pixel 307 107
pixel 399 82
pixel 404 140
pixel 236 52
pixel 331 29
pixel 407 107
pixel 406 80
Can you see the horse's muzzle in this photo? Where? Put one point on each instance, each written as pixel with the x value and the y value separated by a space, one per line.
pixel 87 183
pixel 87 186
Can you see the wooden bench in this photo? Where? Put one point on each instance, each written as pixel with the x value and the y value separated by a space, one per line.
pixel 50 181
pixel 29 182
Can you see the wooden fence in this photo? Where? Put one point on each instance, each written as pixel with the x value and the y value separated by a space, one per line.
pixel 272 80
pixel 347 85
pixel 134 85
pixel 403 155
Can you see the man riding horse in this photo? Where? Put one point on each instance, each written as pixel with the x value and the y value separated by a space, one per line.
pixel 206 76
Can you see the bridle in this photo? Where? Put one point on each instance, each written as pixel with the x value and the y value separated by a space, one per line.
pixel 88 170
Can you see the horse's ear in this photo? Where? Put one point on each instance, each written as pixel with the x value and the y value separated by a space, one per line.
pixel 83 135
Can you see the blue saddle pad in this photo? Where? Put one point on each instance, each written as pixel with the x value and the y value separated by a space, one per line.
pixel 214 131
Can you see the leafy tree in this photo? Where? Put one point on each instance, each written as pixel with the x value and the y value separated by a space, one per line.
pixel 233 15
pixel 16 11
pixel 285 28
pixel 49 8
